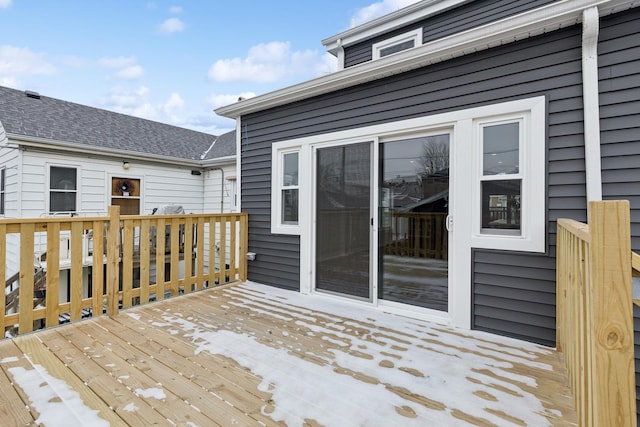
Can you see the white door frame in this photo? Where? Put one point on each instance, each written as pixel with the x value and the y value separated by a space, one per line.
pixel 372 142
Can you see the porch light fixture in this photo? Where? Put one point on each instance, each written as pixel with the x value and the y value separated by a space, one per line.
pixel 125 165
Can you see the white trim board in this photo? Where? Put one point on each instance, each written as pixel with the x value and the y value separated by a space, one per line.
pixel 461 124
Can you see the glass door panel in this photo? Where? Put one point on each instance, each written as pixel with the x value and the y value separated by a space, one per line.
pixel 343 215
pixel 413 238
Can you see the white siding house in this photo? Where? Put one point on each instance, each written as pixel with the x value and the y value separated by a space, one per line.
pixel 61 158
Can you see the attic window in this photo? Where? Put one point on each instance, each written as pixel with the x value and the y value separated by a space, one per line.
pixel 397 44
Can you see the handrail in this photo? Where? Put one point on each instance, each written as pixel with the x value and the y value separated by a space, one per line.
pixel 595 314
pixel 115 261
pixel 635 261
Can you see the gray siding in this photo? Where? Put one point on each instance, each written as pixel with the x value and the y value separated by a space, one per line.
pixel 619 75
pixel 278 257
pixel 470 15
pixel 546 65
pixel 513 300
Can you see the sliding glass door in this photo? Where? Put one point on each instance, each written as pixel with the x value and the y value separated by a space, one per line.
pixel 343 220
pixel 413 208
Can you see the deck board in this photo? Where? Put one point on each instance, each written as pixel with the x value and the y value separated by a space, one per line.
pixel 252 355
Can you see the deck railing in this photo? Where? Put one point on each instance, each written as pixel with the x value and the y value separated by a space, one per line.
pixel 115 262
pixel 416 234
pixel 595 314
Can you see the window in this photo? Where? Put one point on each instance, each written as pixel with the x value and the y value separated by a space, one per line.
pixel 501 182
pixel 63 185
pixel 289 191
pixel 285 207
pixel 508 195
pixel 3 174
pixel 397 44
pixel 125 192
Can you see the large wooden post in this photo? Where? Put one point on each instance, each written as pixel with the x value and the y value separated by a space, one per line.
pixel 113 251
pixel 610 316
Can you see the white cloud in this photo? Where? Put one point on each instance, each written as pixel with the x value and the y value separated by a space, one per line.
pixel 269 62
pixel 16 62
pixel 5 3
pixel 128 69
pixel 171 25
pixel 378 9
pixel 172 108
pixel 175 9
pixel 216 101
pixel 117 62
pixel 140 102
pixel 130 73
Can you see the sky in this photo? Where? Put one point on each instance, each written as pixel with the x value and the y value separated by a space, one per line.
pixel 172 61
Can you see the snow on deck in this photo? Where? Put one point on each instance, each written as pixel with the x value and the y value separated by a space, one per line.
pixel 274 356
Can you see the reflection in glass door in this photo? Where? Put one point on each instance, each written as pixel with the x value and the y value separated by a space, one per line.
pixel 413 238
pixel 343 215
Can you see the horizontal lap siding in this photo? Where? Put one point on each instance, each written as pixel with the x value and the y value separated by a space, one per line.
pixel 547 65
pixel 619 75
pixel 277 260
pixel 468 16
pixel 513 300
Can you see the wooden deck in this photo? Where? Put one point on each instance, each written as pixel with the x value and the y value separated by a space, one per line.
pixel 254 355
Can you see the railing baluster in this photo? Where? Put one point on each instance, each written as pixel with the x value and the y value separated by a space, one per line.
pixel 25 295
pixel 145 260
pixel 203 248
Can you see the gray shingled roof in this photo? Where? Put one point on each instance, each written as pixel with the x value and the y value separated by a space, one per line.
pixel 57 120
pixel 224 146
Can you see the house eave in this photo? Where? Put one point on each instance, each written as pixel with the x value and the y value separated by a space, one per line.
pixel 528 24
pixel 389 22
pixel 74 147
pixel 219 161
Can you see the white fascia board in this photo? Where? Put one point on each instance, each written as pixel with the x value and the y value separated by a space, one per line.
pixel 72 147
pixel 218 161
pixel 528 24
pixel 389 22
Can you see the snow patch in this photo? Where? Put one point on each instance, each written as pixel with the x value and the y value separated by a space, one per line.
pixel 56 402
pixel 452 367
pixel 131 407
pixel 154 392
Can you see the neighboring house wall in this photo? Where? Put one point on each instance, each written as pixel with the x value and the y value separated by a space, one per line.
pixel 219 185
pixel 161 184
pixel 547 65
pixel 619 63
pixel 10 160
pixel 471 15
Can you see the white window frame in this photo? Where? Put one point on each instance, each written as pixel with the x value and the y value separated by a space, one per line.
pixel 277 187
pixel 415 36
pixel 532 149
pixel 76 191
pixel 464 210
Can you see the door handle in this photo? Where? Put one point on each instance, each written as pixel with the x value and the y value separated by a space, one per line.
pixel 449 223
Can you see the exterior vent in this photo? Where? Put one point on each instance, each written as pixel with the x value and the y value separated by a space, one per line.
pixel 32 94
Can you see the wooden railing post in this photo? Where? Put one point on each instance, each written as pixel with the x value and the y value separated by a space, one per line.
pixel 113 252
pixel 610 315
